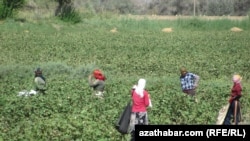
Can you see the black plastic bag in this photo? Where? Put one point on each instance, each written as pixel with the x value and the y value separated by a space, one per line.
pixel 123 122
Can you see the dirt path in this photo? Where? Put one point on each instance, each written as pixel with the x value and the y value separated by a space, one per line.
pixel 158 17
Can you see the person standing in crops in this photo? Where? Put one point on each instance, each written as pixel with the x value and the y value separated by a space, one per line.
pixel 234 101
pixel 97 82
pixel 141 100
pixel 39 81
pixel 189 82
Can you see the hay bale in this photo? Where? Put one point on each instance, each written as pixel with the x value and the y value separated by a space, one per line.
pixel 236 29
pixel 114 30
pixel 167 30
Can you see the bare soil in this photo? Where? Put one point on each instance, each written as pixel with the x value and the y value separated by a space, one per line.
pixel 159 17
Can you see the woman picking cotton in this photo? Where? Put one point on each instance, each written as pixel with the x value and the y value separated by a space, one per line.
pixel 97 82
pixel 234 101
pixel 141 100
pixel 39 81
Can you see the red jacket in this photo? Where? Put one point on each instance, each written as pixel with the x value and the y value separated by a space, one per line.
pixel 140 104
pixel 235 92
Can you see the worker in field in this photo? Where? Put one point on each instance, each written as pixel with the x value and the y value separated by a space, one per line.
pixel 140 101
pixel 39 81
pixel 97 82
pixel 234 101
pixel 189 82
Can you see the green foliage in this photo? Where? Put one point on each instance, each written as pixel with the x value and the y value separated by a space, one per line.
pixel 66 11
pixel 169 7
pixel 8 8
pixel 221 7
pixel 67 55
pixel 87 15
pixel 69 14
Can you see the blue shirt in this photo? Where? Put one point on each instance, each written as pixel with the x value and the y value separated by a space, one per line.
pixel 187 81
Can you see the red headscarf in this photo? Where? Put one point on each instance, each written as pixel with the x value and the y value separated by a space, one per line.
pixel 99 75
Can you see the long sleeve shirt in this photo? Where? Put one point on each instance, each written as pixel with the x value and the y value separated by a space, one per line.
pixel 40 83
pixel 235 92
pixel 98 85
pixel 140 104
pixel 189 81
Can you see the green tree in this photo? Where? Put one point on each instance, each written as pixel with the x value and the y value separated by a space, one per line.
pixel 221 7
pixel 61 6
pixel 8 8
pixel 66 11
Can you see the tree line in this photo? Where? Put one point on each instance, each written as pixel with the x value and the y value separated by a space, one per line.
pixel 173 7
pixel 67 10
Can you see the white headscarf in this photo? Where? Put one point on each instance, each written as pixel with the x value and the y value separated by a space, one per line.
pixel 237 78
pixel 140 87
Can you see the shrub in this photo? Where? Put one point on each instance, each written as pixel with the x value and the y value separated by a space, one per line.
pixel 69 14
pixel 66 11
pixel 8 8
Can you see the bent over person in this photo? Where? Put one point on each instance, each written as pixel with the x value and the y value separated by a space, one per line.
pixel 234 101
pixel 189 82
pixel 40 81
pixel 97 82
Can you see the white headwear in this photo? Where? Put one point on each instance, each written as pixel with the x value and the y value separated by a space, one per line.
pixel 140 87
pixel 237 78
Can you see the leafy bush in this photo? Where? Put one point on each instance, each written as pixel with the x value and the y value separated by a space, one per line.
pixel 69 14
pixel 66 11
pixel 8 8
